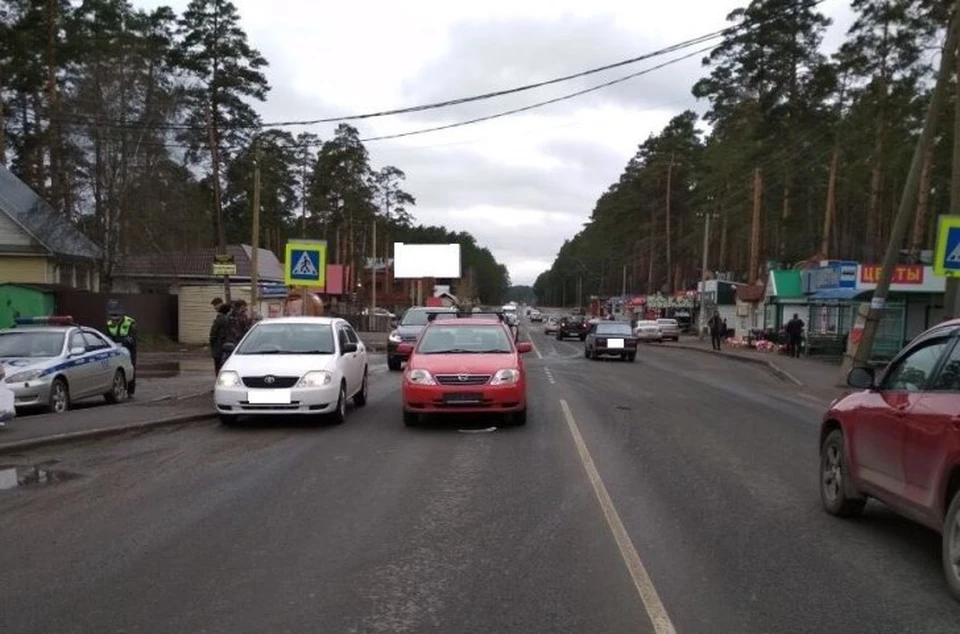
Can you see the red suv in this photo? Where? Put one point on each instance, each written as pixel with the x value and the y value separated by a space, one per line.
pixel 470 364
pixel 897 439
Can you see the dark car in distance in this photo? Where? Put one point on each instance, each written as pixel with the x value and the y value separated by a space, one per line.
pixel 610 338
pixel 407 331
pixel 572 326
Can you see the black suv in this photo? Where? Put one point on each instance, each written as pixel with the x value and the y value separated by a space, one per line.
pixel 572 326
pixel 407 331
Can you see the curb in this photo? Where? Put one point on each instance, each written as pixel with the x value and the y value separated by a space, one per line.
pixel 103 432
pixel 774 369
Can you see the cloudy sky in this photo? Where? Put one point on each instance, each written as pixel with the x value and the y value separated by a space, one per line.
pixel 520 184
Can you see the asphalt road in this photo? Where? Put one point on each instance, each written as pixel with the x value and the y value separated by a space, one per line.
pixel 680 488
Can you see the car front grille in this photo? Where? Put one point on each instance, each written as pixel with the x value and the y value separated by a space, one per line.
pixel 467 379
pixel 274 382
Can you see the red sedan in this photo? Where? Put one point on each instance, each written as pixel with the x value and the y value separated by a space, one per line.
pixel 466 365
pixel 897 439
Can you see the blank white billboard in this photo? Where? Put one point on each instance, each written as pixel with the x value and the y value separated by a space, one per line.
pixel 411 261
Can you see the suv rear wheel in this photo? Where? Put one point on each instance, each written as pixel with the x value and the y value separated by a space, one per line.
pixel 951 547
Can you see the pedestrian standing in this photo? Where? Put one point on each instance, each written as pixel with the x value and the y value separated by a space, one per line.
pixel 122 328
pixel 218 332
pixel 716 330
pixel 794 330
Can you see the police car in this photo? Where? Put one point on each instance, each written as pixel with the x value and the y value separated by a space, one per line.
pixel 51 361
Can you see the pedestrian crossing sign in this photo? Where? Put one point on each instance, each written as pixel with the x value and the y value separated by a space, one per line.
pixel 306 263
pixel 946 260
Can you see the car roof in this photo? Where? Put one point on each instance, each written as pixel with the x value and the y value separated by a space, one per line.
pixel 28 328
pixel 325 321
pixel 469 321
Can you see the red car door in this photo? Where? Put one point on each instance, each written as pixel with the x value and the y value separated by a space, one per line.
pixel 879 437
pixel 932 439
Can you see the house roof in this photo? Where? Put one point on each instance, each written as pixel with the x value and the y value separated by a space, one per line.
pixel 40 221
pixel 199 264
pixel 785 284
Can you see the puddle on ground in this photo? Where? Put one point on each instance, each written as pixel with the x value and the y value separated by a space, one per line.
pixel 12 477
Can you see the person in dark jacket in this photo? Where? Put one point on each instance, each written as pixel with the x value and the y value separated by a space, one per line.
pixel 716 330
pixel 122 328
pixel 794 333
pixel 238 323
pixel 218 332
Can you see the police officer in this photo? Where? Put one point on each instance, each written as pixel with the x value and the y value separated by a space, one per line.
pixel 122 328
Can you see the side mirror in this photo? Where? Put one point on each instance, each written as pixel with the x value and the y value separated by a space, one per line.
pixel 350 347
pixel 524 347
pixel 228 348
pixel 405 348
pixel 861 378
pixel 76 351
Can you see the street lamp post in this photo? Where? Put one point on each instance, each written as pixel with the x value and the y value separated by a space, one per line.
pixel 707 217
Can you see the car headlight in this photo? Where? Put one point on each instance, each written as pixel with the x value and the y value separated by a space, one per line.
pixel 394 337
pixel 316 378
pixel 507 376
pixel 420 377
pixel 21 377
pixel 229 378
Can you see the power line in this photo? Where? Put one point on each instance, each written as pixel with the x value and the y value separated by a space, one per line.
pixel 429 106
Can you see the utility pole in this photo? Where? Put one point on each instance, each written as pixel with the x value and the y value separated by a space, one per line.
pixel 667 227
pixel 755 227
pixel 255 239
pixel 623 284
pixel 908 200
pixel 373 270
pixel 303 198
pixel 706 215
pixel 217 198
pixel 951 303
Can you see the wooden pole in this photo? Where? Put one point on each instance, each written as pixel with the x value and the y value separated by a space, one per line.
pixel 755 226
pixel 830 209
pixel 373 273
pixel 667 227
pixel 951 300
pixel 908 201
pixel 255 238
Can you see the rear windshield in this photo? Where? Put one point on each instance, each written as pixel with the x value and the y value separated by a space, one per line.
pixel 613 329
pixel 464 339
pixel 419 317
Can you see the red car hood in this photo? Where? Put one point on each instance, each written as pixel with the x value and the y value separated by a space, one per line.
pixel 462 363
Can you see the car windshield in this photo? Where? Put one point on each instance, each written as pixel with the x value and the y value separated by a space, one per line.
pixel 31 344
pixel 288 338
pixel 613 328
pixel 421 317
pixel 465 339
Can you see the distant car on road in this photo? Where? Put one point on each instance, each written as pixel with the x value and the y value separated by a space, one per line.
pixel 648 330
pixel 306 366
pixel 669 329
pixel 466 365
pixel 572 326
pixel 551 324
pixel 897 439
pixel 610 338
pixel 52 362
pixel 408 329
pixel 536 316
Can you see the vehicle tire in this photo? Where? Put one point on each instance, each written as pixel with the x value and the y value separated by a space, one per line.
pixel 229 420
pixel 339 415
pixel 836 494
pixel 586 352
pixel 393 364
pixel 411 419
pixel 360 398
pixel 951 547
pixel 583 337
pixel 59 396
pixel 118 389
pixel 131 387
pixel 518 419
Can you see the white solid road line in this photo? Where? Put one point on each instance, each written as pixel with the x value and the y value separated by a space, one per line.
pixel 535 349
pixel 641 580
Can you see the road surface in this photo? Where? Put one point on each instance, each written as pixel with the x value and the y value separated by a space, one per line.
pixel 674 494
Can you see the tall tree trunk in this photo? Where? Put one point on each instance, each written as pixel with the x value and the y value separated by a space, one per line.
pixel 755 227
pixel 923 205
pixel 830 208
pixel 872 227
pixel 53 129
pixel 3 126
pixel 669 246
pixel 722 263
pixel 652 253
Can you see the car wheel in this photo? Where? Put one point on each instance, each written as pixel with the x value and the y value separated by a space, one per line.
pixel 339 415
pixel 118 390
pixel 59 396
pixel 410 419
pixel 360 398
pixel 951 547
pixel 229 420
pixel 393 364
pixel 835 482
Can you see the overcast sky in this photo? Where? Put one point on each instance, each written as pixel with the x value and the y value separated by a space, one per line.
pixel 520 184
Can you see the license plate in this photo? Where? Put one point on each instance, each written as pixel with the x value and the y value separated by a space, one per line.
pixel 268 397
pixel 463 397
pixel 614 343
